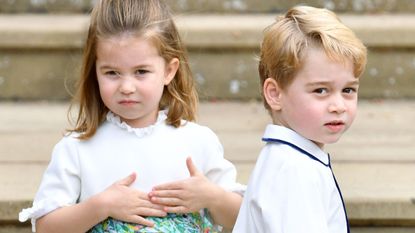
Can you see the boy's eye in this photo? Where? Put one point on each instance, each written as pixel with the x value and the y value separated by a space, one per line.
pixel 321 90
pixel 349 90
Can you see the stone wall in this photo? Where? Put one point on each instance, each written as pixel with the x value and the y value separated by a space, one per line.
pixel 40 54
pixel 218 6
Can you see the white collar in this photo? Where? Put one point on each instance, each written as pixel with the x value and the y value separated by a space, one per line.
pixel 276 133
pixel 140 132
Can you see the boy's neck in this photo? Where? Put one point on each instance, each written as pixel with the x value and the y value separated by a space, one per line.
pixel 277 121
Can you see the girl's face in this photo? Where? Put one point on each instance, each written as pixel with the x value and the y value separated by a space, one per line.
pixel 320 103
pixel 131 77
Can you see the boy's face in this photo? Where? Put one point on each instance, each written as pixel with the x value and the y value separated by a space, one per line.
pixel 320 103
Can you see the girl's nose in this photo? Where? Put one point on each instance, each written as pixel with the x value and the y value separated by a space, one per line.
pixel 127 86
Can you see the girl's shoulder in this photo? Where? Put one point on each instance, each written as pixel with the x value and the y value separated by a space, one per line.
pixel 197 129
pixel 69 139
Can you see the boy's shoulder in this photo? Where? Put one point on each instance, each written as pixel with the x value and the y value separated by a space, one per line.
pixel 293 147
pixel 284 154
pixel 281 162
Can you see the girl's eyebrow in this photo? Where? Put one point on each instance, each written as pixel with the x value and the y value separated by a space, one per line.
pixel 109 66
pixel 105 67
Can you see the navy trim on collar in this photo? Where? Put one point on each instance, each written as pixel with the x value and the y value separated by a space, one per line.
pixel 281 134
pixel 297 148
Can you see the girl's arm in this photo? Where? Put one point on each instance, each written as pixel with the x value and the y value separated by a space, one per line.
pixel 224 206
pixel 196 193
pixel 119 201
pixel 75 218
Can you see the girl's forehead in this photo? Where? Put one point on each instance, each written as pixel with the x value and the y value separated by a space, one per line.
pixel 129 39
pixel 121 37
pixel 126 50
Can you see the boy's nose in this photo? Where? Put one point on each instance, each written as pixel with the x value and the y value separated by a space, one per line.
pixel 337 105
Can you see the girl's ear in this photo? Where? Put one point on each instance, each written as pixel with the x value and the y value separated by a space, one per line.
pixel 272 94
pixel 171 70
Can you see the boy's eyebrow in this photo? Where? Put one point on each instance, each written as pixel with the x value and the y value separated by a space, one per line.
pixel 320 83
pixel 353 83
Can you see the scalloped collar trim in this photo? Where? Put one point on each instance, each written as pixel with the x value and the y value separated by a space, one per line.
pixel 140 132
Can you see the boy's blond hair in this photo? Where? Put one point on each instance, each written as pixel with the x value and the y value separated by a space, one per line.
pixel 286 41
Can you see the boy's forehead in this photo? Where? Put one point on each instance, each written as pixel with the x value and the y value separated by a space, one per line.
pixel 318 64
pixel 322 54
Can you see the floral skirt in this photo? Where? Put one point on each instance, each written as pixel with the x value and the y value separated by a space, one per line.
pixel 172 223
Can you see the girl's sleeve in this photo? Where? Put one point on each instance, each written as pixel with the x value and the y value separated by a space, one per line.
pixel 216 168
pixel 60 185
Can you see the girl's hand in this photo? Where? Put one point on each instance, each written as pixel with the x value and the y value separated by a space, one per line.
pixel 188 195
pixel 124 203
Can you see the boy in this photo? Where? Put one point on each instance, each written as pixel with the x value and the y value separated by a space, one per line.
pixel 309 67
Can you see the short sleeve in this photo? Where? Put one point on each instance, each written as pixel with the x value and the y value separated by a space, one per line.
pixel 216 168
pixel 60 185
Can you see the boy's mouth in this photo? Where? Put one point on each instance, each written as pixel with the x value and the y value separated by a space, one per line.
pixel 335 126
pixel 335 123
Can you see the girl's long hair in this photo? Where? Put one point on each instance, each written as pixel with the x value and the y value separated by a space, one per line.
pixel 150 19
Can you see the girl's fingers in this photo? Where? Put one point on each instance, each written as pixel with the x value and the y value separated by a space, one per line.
pixel 143 196
pixel 177 209
pixel 148 204
pixel 165 193
pixel 193 171
pixel 167 201
pixel 127 181
pixel 140 220
pixel 142 211
pixel 170 186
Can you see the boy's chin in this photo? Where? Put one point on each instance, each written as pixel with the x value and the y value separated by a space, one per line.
pixel 321 143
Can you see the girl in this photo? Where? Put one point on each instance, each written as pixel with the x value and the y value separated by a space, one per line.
pixel 114 171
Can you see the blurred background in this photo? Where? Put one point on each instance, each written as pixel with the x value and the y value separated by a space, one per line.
pixel 40 54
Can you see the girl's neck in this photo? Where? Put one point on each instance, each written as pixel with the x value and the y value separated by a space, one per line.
pixel 142 122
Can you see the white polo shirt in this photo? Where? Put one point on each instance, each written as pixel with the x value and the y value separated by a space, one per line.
pixel 292 189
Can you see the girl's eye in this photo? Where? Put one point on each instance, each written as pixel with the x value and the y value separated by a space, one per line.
pixel 321 91
pixel 141 72
pixel 349 90
pixel 111 73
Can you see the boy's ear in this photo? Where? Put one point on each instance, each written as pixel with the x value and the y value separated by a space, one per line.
pixel 171 70
pixel 272 94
